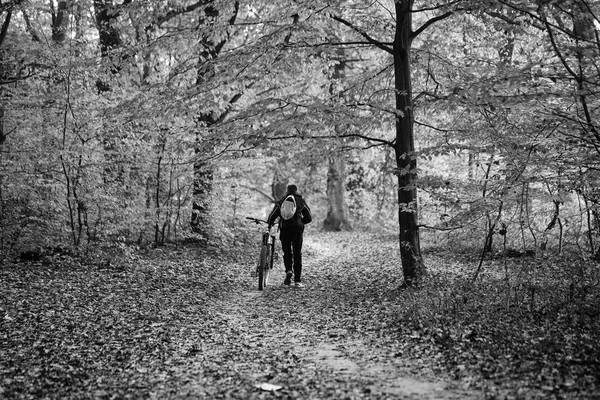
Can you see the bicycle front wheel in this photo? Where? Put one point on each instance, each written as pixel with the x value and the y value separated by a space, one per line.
pixel 267 270
pixel 263 268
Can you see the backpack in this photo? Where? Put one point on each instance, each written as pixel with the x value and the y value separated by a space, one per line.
pixel 288 207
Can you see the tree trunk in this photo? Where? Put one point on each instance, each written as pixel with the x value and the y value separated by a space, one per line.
pixel 551 224
pixel 60 22
pixel 337 214
pixel 109 38
pixel 279 185
pixel 203 171
pixel 5 25
pixel 410 248
pixel 203 186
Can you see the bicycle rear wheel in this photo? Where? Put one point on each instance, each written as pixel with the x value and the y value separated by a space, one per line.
pixel 263 268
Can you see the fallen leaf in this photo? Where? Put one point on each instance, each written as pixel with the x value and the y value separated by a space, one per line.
pixel 268 387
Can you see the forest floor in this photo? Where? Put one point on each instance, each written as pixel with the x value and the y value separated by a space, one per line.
pixel 182 323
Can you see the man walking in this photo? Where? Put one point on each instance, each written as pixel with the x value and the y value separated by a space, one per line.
pixel 294 213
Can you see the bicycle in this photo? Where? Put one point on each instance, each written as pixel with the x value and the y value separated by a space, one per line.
pixel 267 255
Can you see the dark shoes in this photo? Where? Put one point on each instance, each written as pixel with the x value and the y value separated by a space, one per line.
pixel 288 281
pixel 288 278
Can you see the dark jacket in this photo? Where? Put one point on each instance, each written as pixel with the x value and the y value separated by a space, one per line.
pixel 300 218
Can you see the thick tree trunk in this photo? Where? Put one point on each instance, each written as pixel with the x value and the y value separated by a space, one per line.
pixel 203 184
pixel 279 185
pixel 337 213
pixel 203 171
pixel 60 22
pixel 109 38
pixel 410 248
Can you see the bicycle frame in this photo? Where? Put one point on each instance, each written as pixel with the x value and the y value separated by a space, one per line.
pixel 267 256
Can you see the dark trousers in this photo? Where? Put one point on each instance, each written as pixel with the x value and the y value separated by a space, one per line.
pixel 291 244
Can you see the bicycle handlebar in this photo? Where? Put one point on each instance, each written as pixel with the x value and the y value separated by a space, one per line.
pixel 257 220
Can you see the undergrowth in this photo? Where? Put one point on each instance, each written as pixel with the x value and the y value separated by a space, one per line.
pixel 525 328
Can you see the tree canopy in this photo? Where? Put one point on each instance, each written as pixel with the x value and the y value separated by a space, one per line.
pixel 122 121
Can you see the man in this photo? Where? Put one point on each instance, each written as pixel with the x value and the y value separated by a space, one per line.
pixel 291 232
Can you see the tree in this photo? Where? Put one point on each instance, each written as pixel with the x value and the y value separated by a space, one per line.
pixel 60 21
pixel 212 43
pixel 370 101
pixel 337 209
pixel 512 104
pixel 549 104
pixel 403 143
pixel 574 34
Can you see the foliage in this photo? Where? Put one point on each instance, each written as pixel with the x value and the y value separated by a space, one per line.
pixel 102 142
pixel 103 131
pixel 502 110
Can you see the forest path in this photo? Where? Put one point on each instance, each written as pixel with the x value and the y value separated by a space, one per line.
pixel 186 323
pixel 320 342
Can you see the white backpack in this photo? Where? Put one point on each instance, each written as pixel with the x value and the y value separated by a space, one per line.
pixel 288 207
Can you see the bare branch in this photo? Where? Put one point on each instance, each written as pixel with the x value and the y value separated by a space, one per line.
pixel 34 34
pixel 589 8
pixel 367 138
pixel 181 10
pixel 5 25
pixel 224 114
pixel 437 7
pixel 349 135
pixel 557 51
pixel 442 228
pixel 431 22
pixel 540 18
pixel 269 197
pixel 511 21
pixel 350 43
pixel 364 34
pixel 435 128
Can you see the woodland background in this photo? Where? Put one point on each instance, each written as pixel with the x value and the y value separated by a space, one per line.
pixel 458 139
pixel 150 122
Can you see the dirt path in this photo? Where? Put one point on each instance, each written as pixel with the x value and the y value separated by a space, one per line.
pixel 312 343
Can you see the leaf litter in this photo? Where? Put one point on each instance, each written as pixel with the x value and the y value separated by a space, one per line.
pixel 190 324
